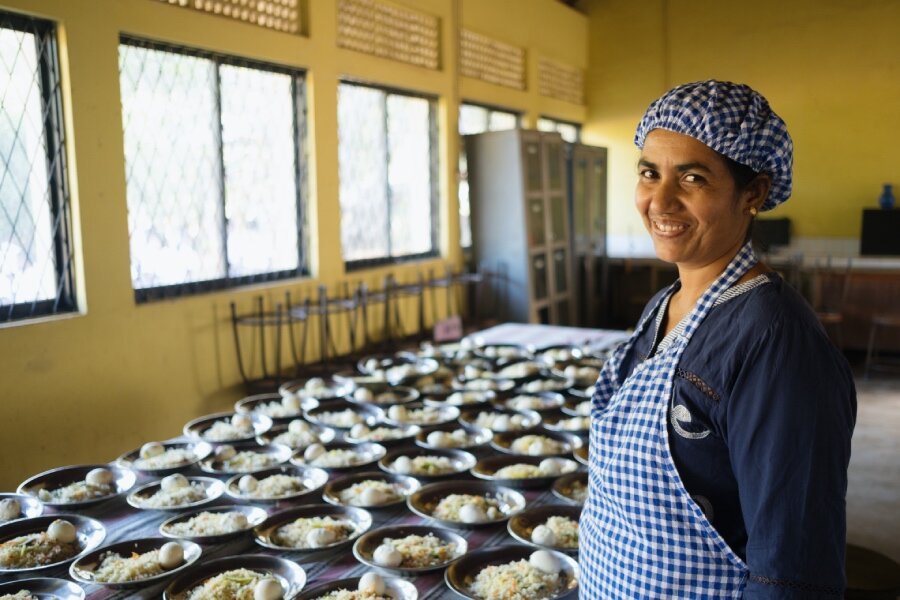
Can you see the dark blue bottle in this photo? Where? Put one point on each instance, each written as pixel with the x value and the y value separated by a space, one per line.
pixel 886 200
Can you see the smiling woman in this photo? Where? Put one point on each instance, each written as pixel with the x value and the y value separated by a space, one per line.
pixel 728 414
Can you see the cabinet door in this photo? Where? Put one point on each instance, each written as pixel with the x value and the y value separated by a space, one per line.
pixel 558 218
pixel 560 271
pixel 554 156
pixel 537 229
pixel 534 177
pixel 539 277
pixel 581 216
pixel 598 204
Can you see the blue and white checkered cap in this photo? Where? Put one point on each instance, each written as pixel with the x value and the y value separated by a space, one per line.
pixel 733 120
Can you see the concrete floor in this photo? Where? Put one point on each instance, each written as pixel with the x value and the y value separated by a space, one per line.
pixel 873 494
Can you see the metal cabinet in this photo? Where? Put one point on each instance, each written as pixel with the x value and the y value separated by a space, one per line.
pixel 521 222
pixel 587 195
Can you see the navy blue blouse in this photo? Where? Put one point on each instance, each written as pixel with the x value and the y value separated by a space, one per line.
pixel 760 422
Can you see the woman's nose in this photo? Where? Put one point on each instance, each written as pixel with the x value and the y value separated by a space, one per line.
pixel 664 197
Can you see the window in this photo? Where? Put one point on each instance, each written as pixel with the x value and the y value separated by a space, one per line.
pixel 387 154
pixel 35 249
pixel 474 118
pixel 570 132
pixel 214 169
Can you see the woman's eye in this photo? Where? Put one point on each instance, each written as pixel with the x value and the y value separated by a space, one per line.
pixel 694 178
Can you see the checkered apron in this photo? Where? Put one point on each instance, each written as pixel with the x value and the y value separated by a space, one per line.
pixel 642 536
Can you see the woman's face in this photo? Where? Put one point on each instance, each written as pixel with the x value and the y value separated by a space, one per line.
pixel 688 201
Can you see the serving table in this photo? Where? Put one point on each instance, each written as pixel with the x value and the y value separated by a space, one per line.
pixel 123 522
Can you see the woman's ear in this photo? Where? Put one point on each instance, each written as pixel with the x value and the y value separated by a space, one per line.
pixel 756 192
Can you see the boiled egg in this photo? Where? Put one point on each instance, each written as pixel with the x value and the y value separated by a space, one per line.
pixel 298 426
pixel 373 497
pixel 537 448
pixel 62 531
pixel 242 421
pixel 472 513
pixel 174 482
pixel 10 509
pixel 291 403
pixel 268 589
pixel 151 449
pixel 501 423
pixel 99 477
pixel 583 408
pixel 171 555
pixel 397 413
pixel 543 535
pixel 363 395
pixel 313 451
pixel 314 383
pixel 225 452
pixel 320 537
pixel 403 465
pixel 551 466
pixel 247 484
pixel 438 439
pixel 359 430
pixel 545 562
pixel 517 421
pixel 387 556
pixel 371 583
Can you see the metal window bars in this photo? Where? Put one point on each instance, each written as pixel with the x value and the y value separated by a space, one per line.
pixel 261 365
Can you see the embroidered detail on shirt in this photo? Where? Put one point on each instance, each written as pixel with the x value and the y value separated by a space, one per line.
pixel 680 414
pixel 705 505
pixel 698 383
pixel 798 585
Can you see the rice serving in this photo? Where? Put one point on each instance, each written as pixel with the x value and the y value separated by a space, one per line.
pixel 223 431
pixel 119 569
pixel 425 465
pixel 76 492
pixel 276 410
pixel 34 550
pixel 189 494
pixel 295 534
pixel 208 524
pixel 353 495
pixel 528 403
pixel 519 471
pixel 379 434
pixel 536 445
pixel 448 508
pixel 277 486
pixel 355 595
pixel 247 460
pixel 421 416
pixel 501 421
pixel 517 580
pixel 296 439
pixel 578 491
pixel 574 424
pixel 420 551
pixel 20 595
pixel 338 457
pixel 565 530
pixel 544 385
pixel 344 419
pixel 172 457
pixel 236 584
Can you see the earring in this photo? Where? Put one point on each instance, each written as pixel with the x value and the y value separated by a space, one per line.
pixel 753 211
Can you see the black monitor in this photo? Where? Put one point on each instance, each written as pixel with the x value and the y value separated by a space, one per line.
pixel 767 233
pixel 880 232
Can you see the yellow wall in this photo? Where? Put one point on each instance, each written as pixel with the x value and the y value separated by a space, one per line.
pixel 88 387
pixel 830 68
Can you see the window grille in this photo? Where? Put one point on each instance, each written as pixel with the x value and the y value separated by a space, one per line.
pixel 214 169
pixel 280 15
pixel 36 277
pixel 474 118
pixel 387 154
pixel 389 31
pixel 563 82
pixel 570 132
pixel 482 57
